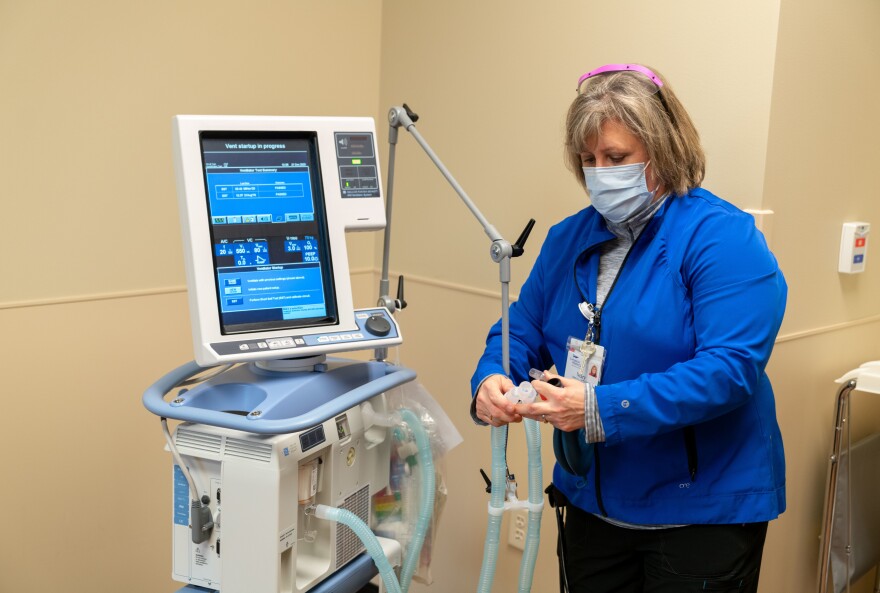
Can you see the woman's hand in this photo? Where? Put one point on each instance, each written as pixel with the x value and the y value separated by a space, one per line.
pixel 563 407
pixel 492 406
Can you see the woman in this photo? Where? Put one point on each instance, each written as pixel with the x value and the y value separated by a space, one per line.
pixel 670 457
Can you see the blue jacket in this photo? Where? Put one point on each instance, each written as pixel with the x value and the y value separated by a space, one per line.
pixel 688 329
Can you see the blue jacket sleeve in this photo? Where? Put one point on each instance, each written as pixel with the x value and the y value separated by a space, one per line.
pixel 527 349
pixel 737 297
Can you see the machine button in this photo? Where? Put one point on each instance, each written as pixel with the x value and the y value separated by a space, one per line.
pixel 280 343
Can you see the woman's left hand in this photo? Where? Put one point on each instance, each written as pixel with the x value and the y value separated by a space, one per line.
pixel 563 407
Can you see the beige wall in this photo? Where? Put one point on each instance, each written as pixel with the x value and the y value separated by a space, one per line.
pixel 85 480
pixel 89 89
pixel 92 298
pixel 820 111
pixel 822 151
pixel 493 79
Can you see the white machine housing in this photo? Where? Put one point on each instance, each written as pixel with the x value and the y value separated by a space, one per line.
pixel 259 543
pixel 357 210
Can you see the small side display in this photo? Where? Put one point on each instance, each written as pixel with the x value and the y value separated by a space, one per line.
pixel 268 229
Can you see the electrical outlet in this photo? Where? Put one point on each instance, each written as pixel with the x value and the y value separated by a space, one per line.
pixel 519 524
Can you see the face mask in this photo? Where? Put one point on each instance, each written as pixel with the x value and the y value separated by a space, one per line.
pixel 618 192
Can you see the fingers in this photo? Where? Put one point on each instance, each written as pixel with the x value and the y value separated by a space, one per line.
pixel 562 406
pixel 551 387
pixel 553 379
pixel 492 407
pixel 564 419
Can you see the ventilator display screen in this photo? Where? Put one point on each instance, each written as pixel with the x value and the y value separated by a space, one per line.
pixel 268 228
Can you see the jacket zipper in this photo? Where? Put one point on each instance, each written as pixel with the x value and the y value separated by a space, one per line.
pixel 597 313
pixel 597 328
pixel 689 436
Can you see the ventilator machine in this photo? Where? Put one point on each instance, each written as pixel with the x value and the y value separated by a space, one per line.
pixel 282 451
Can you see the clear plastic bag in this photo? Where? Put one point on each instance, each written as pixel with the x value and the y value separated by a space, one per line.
pixel 396 509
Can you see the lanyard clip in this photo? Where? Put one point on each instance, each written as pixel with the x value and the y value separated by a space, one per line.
pixel 592 314
pixel 588 311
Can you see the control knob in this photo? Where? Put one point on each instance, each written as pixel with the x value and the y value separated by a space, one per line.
pixel 378 325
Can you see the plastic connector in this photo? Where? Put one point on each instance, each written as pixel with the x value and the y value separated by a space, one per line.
pixel 542 376
pixel 373 417
pixel 524 393
pixel 202 522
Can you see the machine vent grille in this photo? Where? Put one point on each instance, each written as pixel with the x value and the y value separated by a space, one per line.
pixel 348 545
pixel 197 440
pixel 248 450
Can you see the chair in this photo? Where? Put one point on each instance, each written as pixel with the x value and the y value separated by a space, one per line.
pixel 850 540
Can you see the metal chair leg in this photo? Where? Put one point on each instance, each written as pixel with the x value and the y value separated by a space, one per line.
pixel 841 422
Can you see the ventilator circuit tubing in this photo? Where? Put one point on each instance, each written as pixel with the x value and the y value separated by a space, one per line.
pixel 374 548
pixel 426 504
pixel 497 507
pixel 536 506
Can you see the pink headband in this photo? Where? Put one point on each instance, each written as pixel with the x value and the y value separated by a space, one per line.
pixel 620 68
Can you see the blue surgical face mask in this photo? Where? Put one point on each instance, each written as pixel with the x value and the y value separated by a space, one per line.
pixel 618 192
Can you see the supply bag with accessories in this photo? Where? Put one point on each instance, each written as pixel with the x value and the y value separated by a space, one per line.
pixel 399 510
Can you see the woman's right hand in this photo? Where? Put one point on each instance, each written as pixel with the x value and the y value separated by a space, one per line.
pixel 492 407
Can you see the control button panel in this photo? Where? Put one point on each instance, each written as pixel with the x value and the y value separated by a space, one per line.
pixel 853 247
pixel 375 327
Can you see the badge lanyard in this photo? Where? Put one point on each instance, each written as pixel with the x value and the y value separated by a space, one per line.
pixel 586 359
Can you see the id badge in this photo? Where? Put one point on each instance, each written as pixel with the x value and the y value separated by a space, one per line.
pixel 585 361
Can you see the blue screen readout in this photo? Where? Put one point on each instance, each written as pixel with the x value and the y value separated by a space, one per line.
pixel 259 197
pixel 244 253
pixel 266 234
pixel 297 291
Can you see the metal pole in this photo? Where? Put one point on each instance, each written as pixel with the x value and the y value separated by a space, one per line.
pixel 500 251
pixel 841 421
pixel 384 292
pixel 398 116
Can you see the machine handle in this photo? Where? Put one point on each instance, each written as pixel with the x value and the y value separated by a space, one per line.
pixel 154 401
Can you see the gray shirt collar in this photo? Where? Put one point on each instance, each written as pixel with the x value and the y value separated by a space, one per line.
pixel 632 226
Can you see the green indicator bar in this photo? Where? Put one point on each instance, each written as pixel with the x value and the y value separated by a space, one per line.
pixel 355 161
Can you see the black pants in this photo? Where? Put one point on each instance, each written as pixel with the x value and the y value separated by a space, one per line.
pixel 603 558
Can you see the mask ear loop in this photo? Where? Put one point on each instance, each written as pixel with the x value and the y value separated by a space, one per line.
pixel 656 182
